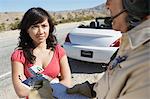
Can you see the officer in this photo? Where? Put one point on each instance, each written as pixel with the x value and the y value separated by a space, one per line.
pixel 128 75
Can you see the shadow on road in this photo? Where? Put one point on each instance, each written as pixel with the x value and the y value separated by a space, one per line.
pixel 84 67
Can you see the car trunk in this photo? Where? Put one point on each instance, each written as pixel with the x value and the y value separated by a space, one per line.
pixel 93 37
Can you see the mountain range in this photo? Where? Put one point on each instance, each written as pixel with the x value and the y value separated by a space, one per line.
pixel 97 11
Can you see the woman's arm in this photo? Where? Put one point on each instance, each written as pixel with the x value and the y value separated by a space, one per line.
pixel 65 72
pixel 17 77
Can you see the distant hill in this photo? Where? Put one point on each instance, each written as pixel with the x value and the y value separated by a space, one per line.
pixel 98 11
pixel 8 18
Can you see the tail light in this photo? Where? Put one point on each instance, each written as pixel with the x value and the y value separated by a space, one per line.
pixel 116 43
pixel 67 38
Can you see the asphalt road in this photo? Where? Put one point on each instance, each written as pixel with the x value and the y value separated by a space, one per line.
pixel 8 41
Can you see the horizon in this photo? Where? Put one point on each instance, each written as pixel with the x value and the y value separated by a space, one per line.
pixel 53 6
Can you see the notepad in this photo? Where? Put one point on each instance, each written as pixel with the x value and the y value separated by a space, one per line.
pixel 59 92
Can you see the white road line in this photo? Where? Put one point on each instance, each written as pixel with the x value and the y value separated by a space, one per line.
pixel 8 73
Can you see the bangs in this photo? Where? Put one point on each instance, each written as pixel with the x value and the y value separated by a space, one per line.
pixel 32 17
pixel 37 18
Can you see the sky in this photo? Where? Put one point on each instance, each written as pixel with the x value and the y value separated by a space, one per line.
pixel 50 5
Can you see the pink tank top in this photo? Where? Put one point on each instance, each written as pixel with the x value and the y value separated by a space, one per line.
pixel 53 68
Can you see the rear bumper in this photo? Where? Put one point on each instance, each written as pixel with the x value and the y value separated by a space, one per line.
pixel 99 54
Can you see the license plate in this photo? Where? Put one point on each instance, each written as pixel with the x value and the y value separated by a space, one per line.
pixel 88 54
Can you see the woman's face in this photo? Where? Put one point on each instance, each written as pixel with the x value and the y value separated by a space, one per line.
pixel 119 23
pixel 39 32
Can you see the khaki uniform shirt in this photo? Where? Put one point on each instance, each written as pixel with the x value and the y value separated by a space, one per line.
pixel 130 79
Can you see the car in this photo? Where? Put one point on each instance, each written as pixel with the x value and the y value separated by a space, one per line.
pixel 92 43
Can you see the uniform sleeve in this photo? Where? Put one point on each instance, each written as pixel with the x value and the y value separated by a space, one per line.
pixel 18 56
pixel 139 85
pixel 61 51
pixel 141 93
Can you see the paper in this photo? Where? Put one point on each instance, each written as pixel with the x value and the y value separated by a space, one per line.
pixel 59 92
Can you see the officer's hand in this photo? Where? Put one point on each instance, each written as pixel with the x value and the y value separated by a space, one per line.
pixel 36 81
pixel 45 91
pixel 84 89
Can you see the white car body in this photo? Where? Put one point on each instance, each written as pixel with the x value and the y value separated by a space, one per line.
pixel 91 45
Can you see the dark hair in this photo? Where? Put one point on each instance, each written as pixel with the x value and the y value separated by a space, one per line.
pixel 31 17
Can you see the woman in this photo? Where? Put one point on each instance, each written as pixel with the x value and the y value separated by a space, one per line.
pixel 38 51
